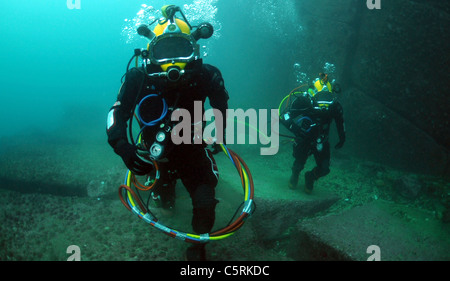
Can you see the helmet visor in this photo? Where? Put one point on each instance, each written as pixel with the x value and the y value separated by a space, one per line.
pixel 173 48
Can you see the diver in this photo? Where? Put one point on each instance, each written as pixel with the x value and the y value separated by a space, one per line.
pixel 322 83
pixel 172 77
pixel 309 118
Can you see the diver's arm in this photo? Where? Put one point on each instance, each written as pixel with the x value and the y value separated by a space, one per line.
pixel 340 125
pixel 289 114
pixel 118 117
pixel 218 95
pixel 121 111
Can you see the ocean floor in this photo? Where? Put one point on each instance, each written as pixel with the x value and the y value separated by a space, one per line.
pixel 54 194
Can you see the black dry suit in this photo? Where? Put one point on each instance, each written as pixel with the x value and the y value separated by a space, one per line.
pixel 310 119
pixel 191 163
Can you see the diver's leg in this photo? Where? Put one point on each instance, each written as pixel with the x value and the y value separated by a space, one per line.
pixel 322 167
pixel 203 218
pixel 300 154
pixel 199 176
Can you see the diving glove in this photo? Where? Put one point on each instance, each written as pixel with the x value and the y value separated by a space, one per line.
pixel 340 144
pixel 134 159
pixel 215 148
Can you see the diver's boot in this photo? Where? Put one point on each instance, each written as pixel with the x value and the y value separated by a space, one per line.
pixel 293 181
pixel 309 181
pixel 196 252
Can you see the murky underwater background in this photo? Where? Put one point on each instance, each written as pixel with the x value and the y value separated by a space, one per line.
pixel 388 186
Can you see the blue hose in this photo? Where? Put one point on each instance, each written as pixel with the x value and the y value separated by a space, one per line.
pixel 156 121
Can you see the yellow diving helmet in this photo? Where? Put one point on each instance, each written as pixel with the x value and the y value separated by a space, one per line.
pixel 173 44
pixel 322 83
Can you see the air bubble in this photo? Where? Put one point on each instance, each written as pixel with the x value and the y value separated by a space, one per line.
pixel 329 68
pixel 197 12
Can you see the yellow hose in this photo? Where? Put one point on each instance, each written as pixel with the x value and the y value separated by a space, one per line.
pixel 291 93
